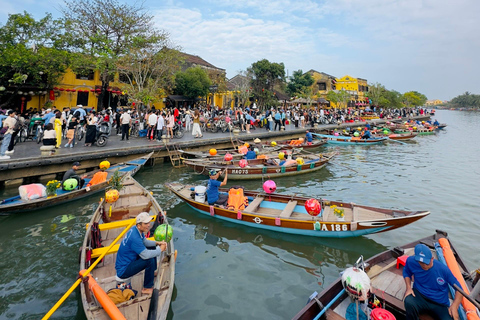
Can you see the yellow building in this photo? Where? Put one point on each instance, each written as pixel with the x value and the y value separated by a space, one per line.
pixel 323 83
pixel 433 102
pixel 357 87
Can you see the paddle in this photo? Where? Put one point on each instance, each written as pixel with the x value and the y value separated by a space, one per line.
pixel 389 139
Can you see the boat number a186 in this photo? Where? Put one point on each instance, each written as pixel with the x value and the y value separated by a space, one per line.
pixel 329 227
pixel 239 171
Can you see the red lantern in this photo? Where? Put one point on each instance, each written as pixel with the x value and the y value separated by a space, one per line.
pixel 92 90
pixel 133 104
pixel 243 163
pixel 73 90
pixel 313 207
pixel 61 89
pixel 228 157
pixel 55 88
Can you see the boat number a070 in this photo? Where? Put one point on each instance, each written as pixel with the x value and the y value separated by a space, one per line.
pixel 239 171
pixel 329 227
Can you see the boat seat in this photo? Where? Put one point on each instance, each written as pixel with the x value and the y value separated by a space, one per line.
pixel 253 206
pixel 288 210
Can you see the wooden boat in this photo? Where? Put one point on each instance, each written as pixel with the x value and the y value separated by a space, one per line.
pixel 441 126
pixel 133 200
pixel 409 135
pixel 286 213
pixel 386 281
pixel 16 204
pixel 258 168
pixel 292 143
pixel 424 131
pixel 347 140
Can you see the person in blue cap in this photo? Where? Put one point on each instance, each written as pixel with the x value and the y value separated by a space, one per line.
pixel 213 195
pixel 430 289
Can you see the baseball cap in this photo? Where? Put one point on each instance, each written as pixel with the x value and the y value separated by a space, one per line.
pixel 423 253
pixel 143 217
pixel 212 172
pixel 79 106
pixel 76 163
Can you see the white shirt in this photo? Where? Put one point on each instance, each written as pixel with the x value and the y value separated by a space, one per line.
pixel 160 123
pixel 152 119
pixel 125 118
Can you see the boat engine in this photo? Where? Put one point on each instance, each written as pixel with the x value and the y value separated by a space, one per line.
pixel 356 283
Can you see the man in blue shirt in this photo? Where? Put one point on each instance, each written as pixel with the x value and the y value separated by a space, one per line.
pixel 133 255
pixel 48 116
pixel 250 154
pixel 213 195
pixel 309 137
pixel 430 289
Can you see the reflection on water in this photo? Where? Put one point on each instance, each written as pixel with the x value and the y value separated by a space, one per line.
pixel 226 271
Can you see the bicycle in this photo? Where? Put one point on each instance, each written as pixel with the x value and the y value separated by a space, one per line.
pixel 80 132
pixel 39 134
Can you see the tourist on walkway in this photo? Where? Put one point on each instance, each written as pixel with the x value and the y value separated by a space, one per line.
pixel 9 124
pixel 125 121
pixel 170 123
pixel 196 131
pixel 58 125
pixel 188 121
pixel 50 137
pixel 72 126
pixel 91 134
pixel 278 119
pixel 16 131
pixel 118 114
pixel 152 125
pixel 160 125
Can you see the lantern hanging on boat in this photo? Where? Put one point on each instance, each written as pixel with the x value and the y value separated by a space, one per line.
pixel 356 134
pixel 273 143
pixel 269 186
pixel 256 150
pixel 300 160
pixel 104 165
pixel 243 163
pixel 336 134
pixel 281 155
pixel 213 152
pixel 356 283
pixel 313 207
pixel 112 195
pixel 162 231
pixel 228 157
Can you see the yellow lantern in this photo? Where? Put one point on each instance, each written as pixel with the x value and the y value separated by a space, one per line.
pixel 213 152
pixel 281 155
pixel 104 165
pixel 300 161
pixel 112 195
pixel 273 143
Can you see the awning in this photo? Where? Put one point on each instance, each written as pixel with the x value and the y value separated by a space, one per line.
pixel 178 98
pixel 322 100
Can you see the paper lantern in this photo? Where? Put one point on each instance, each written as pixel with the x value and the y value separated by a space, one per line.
pixel 112 195
pixel 356 134
pixel 228 157
pixel 161 231
pixel 246 144
pixel 213 152
pixel 281 155
pixel 104 165
pixel 269 186
pixel 300 161
pixel 273 143
pixel 243 163
pixel 313 207
pixel 336 134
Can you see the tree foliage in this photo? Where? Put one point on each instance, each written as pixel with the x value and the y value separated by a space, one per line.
pixel 300 84
pixel 466 100
pixel 265 75
pixel 105 31
pixel 414 99
pixel 193 83
pixel 242 90
pixel 33 54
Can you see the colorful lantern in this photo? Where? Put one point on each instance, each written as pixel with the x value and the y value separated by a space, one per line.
pixel 313 207
pixel 161 231
pixel 104 165
pixel 243 163
pixel 228 157
pixel 213 152
pixel 112 195
pixel 281 155
pixel 269 186
pixel 273 143
pixel 300 161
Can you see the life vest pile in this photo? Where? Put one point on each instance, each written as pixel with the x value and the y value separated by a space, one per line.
pixel 236 199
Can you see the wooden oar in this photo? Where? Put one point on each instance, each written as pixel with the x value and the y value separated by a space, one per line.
pixel 75 285
pixel 389 139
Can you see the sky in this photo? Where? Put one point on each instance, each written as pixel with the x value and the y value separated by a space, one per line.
pixel 430 46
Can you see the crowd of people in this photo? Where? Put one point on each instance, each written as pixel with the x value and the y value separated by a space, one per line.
pixel 61 125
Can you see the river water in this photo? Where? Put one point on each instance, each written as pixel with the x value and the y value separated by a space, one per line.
pixel 226 271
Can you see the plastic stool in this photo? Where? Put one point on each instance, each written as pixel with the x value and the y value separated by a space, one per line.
pixel 401 261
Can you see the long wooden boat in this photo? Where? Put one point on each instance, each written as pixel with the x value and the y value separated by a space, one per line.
pixel 258 168
pixel 133 199
pixel 287 213
pixel 16 204
pixel 346 140
pixel 292 143
pixel 408 135
pixel 386 282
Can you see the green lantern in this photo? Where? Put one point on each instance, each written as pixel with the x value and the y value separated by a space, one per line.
pixel 161 231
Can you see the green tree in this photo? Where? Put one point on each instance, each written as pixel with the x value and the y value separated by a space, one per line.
pixel 265 75
pixel 300 83
pixel 104 31
pixel 466 100
pixel 193 83
pixel 33 54
pixel 414 99
pixel 242 90
pixel 150 71
pixel 343 97
pixel 332 96
pixel 375 92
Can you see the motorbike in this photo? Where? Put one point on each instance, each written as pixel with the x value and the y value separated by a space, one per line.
pixel 178 130
pixel 103 130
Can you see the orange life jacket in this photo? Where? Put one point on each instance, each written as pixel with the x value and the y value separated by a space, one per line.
pixel 97 178
pixel 236 199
